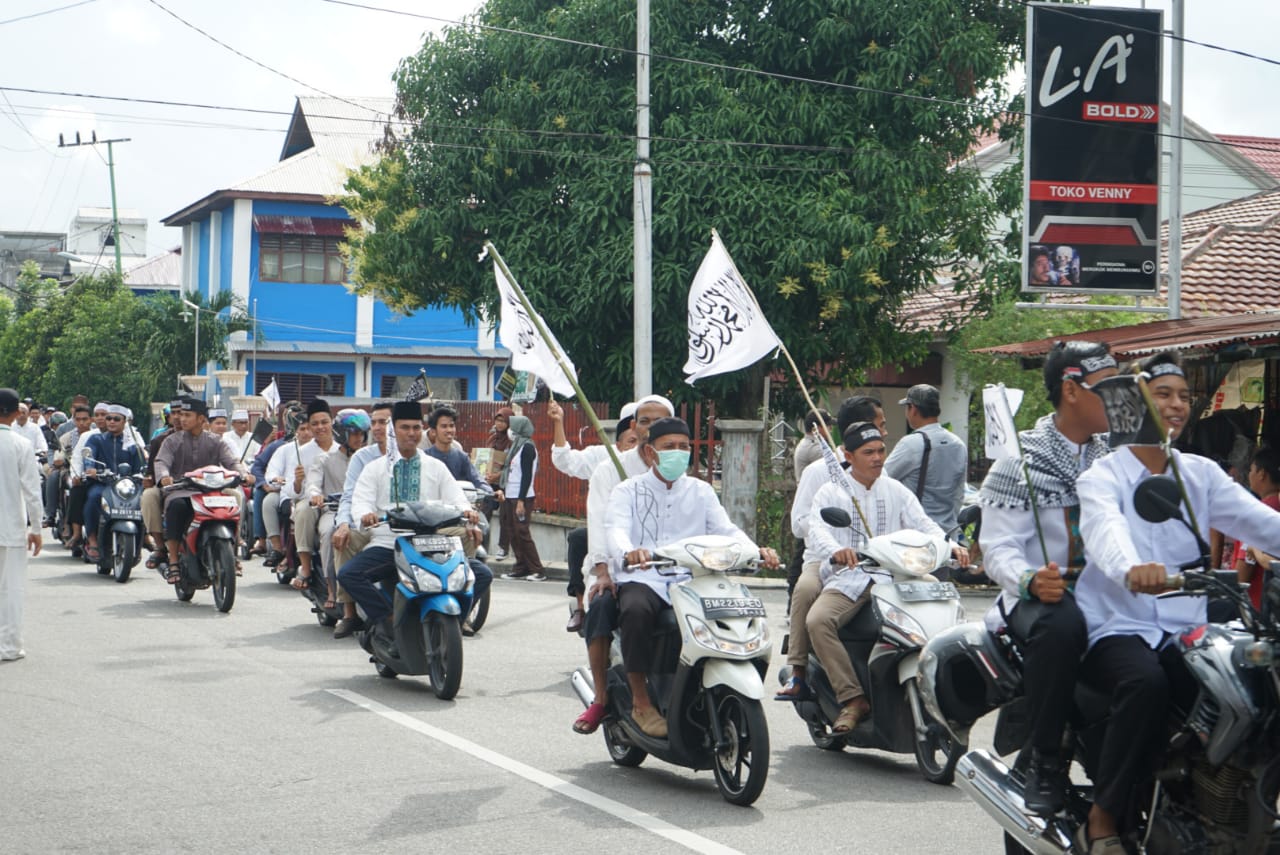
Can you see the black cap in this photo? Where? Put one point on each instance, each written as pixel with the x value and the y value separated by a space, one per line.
pixel 319 405
pixel 624 424
pixel 406 410
pixel 665 426
pixel 924 396
pixel 8 401
pixel 859 434
pixel 195 405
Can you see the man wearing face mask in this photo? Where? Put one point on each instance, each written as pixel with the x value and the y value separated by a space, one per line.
pixel 645 512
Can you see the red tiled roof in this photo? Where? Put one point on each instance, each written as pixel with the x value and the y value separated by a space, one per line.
pixel 1264 151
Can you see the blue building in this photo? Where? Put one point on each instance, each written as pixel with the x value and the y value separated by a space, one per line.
pixel 273 241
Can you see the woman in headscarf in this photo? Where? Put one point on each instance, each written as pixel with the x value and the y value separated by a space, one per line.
pixel 515 491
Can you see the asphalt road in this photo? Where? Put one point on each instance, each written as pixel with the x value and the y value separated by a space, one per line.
pixel 141 724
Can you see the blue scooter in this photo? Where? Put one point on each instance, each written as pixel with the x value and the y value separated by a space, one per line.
pixel 120 520
pixel 432 597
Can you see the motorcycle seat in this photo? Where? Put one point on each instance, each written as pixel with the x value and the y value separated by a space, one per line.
pixel 862 628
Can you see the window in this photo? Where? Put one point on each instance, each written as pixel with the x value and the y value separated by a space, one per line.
pixel 303 387
pixel 298 258
pixel 442 388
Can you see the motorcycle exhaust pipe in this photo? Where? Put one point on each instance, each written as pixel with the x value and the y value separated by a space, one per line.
pixel 584 688
pixel 987 781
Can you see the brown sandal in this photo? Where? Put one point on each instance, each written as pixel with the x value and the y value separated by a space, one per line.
pixel 850 715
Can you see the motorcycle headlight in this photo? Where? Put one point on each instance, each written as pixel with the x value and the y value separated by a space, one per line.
pixel 907 626
pixel 458 578
pixel 708 638
pixel 102 502
pixel 428 582
pixel 719 558
pixel 919 560
pixel 125 488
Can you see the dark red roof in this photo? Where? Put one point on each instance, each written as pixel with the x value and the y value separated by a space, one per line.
pixel 1264 151
pixel 1204 334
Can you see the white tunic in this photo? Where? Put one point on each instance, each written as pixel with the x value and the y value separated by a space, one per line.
pixel 1116 539
pixel 287 458
pixel 578 462
pixel 240 443
pixel 645 514
pixel 372 494
pixel 1010 548
pixel 32 433
pixel 601 486
pixel 20 510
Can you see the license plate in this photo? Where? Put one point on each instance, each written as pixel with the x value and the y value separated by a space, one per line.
pixel 436 543
pixel 220 501
pixel 919 592
pixel 127 515
pixel 718 607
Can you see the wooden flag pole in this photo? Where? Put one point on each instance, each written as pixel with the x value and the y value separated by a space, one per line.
pixel 1026 474
pixel 555 351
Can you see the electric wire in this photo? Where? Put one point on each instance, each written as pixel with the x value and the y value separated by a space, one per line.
pixel 47 12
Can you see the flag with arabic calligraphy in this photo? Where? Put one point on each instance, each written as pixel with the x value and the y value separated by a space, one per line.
pixel 529 351
pixel 727 330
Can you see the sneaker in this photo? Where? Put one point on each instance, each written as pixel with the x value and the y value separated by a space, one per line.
pixel 347 626
pixel 514 575
pixel 535 577
pixel 273 558
pixel 501 554
pixel 1044 792
pixel 467 629
pixel 1099 846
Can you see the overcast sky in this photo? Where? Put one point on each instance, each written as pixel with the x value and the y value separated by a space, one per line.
pixel 133 48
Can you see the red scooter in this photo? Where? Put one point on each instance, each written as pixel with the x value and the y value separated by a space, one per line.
pixel 207 550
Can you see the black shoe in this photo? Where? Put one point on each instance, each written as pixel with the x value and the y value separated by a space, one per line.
pixel 1045 789
pixel 347 626
pixel 273 558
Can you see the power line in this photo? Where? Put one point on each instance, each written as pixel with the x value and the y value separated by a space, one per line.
pixel 47 12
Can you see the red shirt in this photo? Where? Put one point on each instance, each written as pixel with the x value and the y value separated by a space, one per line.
pixel 1242 554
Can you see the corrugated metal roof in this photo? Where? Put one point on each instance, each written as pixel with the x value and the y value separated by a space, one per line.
pixel 322 226
pixel 159 271
pixel 1194 335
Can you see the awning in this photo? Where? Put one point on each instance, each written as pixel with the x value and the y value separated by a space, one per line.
pixel 1189 336
pixel 317 226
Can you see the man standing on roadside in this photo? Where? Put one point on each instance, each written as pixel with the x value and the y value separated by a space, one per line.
pixel 931 461
pixel 19 524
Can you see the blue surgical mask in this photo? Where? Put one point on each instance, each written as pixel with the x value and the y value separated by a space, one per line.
pixel 672 463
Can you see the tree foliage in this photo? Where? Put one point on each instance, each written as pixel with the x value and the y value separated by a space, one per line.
pixel 836 201
pixel 99 339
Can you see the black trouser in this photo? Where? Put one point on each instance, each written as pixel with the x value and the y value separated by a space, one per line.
pixel 602 617
pixel 638 610
pixel 793 568
pixel 177 517
pixel 576 553
pixel 75 503
pixel 1053 638
pixel 1124 667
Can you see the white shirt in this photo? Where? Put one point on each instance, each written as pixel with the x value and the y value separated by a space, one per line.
pixel 645 514
pixel 1010 548
pixel 77 455
pixel 288 457
pixel 1116 539
pixel 813 477
pixel 355 466
pixel 372 494
pixel 19 476
pixel 888 506
pixel 599 489
pixel 578 462
pixel 240 443
pixel 32 433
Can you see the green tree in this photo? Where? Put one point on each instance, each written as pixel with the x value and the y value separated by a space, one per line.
pixel 31 289
pixel 836 203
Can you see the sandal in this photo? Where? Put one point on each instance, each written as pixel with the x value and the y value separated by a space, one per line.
pixel 300 582
pixel 795 689
pixel 590 719
pixel 157 558
pixel 850 715
pixel 239 569
pixel 92 553
pixel 172 575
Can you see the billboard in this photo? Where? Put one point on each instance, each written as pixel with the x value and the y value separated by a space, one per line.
pixel 1091 206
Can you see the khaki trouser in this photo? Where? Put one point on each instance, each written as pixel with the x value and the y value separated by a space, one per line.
pixel 306 525
pixel 357 541
pixel 803 595
pixel 153 509
pixel 832 611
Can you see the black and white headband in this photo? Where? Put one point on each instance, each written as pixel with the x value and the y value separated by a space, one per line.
pixel 1165 368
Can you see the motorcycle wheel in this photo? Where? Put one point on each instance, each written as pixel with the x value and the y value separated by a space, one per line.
pixel 742 765
pixel 384 672
pixel 823 738
pixel 444 654
pixel 621 751
pixel 284 577
pixel 222 567
pixel 183 591
pixel 320 590
pixel 480 611
pixel 936 752
pixel 123 558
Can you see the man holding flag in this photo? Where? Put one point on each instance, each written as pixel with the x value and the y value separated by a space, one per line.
pixel 1030 539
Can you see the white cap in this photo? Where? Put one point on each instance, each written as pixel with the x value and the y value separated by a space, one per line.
pixel 657 399
pixel 217 414
pixel 628 409
pixel 240 416
pixel 117 410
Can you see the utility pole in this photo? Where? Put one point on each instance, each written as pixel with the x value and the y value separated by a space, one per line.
pixel 642 214
pixel 111 169
pixel 1177 126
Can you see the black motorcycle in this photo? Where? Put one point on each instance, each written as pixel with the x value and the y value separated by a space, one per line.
pixel 1216 787
pixel 120 533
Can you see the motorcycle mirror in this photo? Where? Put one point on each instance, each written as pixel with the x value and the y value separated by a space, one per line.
pixel 969 515
pixel 1157 499
pixel 836 517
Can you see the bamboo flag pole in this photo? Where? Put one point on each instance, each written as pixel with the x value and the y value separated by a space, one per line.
pixel 1167 445
pixel 1026 474
pixel 804 390
pixel 555 351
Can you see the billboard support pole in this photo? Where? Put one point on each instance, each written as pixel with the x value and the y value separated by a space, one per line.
pixel 1174 249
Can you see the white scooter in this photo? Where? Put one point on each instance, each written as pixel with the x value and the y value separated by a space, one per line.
pixel 711 651
pixel 883 641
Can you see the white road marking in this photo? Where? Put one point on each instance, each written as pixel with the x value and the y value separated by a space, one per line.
pixel 626 813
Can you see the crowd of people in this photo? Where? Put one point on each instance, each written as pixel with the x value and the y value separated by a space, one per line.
pixel 315 491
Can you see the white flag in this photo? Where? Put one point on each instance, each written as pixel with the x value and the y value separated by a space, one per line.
pixel 271 395
pixel 727 330
pixel 999 404
pixel 529 352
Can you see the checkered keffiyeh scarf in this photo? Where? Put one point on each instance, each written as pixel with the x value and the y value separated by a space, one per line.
pixel 1054 463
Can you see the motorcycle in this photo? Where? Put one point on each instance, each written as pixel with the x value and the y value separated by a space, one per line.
pixel 711 653
pixel 324 574
pixel 120 532
pixel 480 605
pixel 883 641
pixel 429 602
pixel 207 550
pixel 1216 786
